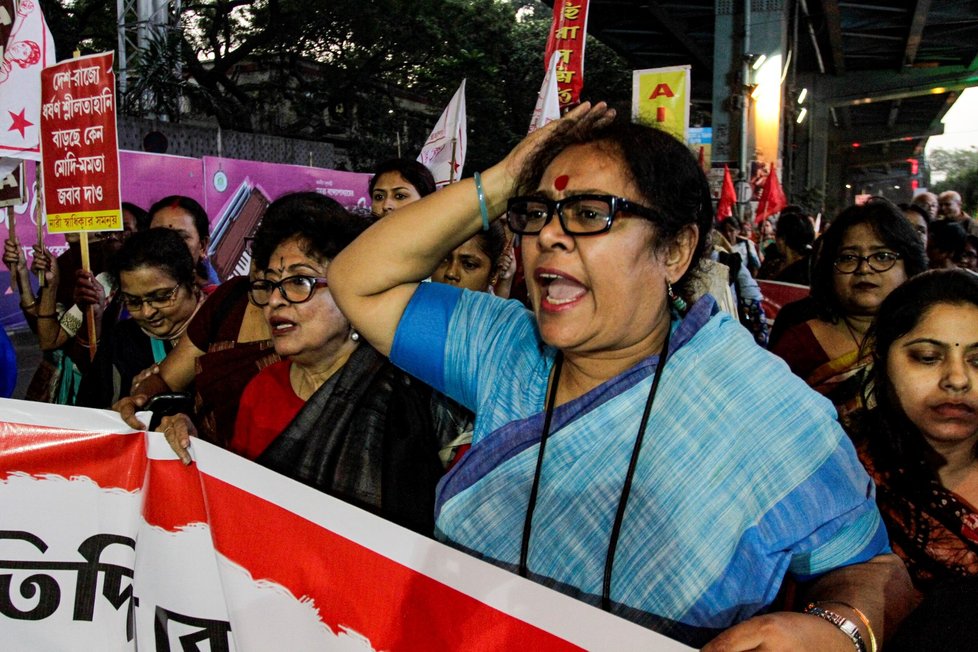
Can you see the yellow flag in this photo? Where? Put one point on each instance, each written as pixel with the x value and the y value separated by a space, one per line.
pixel 660 97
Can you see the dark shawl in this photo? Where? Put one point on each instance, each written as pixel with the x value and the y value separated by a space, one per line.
pixel 366 436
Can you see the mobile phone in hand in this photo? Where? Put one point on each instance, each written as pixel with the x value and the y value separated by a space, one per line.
pixel 166 405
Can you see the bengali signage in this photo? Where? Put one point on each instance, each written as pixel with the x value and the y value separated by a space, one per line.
pixel 79 149
pixel 568 36
pixel 110 543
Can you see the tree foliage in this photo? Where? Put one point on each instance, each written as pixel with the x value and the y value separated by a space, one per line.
pixel 959 167
pixel 365 75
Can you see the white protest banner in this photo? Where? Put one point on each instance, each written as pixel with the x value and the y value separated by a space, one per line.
pixel 547 108
pixel 29 48
pixel 108 541
pixel 444 151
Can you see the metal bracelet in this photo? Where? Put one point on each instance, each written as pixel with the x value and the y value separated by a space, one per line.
pixel 845 625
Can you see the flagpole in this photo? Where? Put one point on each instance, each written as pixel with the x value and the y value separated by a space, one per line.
pixel 86 262
pixel 451 169
pixel 12 228
pixel 39 218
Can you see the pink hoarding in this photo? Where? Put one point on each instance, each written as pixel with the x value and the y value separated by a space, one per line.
pixel 234 193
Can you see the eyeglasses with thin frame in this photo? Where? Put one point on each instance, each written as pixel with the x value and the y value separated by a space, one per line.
pixel 578 214
pixel 880 261
pixel 294 289
pixel 157 300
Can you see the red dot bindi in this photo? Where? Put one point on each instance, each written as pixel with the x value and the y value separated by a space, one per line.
pixel 561 182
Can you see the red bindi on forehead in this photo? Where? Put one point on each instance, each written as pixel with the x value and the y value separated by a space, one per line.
pixel 561 182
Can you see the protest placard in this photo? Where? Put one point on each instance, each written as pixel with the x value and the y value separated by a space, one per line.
pixel 79 149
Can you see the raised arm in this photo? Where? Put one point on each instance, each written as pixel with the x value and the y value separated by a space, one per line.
pixel 373 279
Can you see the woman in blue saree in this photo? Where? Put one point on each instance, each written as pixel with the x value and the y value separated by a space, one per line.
pixel 618 456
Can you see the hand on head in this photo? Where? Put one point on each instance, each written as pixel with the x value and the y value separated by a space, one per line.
pixel 583 116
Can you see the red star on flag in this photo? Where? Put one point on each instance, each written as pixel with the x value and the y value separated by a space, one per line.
pixel 20 123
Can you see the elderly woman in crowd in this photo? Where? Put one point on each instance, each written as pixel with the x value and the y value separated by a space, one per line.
pixel 333 413
pixel 229 341
pixel 864 255
pixel 920 440
pixel 587 405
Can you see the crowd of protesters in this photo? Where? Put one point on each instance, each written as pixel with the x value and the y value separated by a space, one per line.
pixel 526 365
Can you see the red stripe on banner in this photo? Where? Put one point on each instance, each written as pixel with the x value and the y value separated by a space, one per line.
pixel 348 581
pixel 173 497
pixel 111 460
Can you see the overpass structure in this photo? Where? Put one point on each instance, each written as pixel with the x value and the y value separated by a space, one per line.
pixel 864 83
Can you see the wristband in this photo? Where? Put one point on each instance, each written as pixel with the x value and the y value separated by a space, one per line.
pixel 482 201
pixel 845 625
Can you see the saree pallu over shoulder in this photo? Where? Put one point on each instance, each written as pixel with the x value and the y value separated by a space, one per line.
pixel 933 529
pixel 731 491
pixel 841 381
pixel 366 436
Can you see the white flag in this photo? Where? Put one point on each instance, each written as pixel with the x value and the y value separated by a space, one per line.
pixel 548 102
pixel 29 48
pixel 444 151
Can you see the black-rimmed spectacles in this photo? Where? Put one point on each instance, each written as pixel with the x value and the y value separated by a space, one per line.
pixel 578 214
pixel 294 289
pixel 880 261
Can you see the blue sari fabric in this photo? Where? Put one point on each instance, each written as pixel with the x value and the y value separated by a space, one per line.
pixel 737 483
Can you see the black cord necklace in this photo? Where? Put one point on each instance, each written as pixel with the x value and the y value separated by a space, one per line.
pixel 626 486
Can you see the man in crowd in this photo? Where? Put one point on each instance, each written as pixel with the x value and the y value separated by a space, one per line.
pixel 949 208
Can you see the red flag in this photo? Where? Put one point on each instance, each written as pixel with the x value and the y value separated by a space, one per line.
pixel 567 37
pixel 728 197
pixel 772 198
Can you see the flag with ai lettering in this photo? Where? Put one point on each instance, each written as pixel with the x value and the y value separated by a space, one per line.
pixel 548 102
pixel 28 48
pixel 444 151
pixel 660 97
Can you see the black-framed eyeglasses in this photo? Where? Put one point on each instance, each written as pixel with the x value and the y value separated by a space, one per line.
pixel 294 289
pixel 157 300
pixel 578 214
pixel 880 261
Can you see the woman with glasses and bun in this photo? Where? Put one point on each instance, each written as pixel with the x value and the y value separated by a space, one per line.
pixel 333 413
pixel 154 274
pixel 866 253
pixel 618 456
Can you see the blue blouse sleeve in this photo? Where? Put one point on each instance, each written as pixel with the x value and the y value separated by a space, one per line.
pixel 422 334
pixel 467 345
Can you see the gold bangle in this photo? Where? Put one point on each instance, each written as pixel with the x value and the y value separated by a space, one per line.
pixel 29 305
